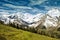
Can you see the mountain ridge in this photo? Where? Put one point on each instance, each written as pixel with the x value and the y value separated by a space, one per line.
pixel 33 19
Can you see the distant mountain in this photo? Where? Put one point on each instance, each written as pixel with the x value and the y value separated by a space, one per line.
pixel 48 19
pixel 51 19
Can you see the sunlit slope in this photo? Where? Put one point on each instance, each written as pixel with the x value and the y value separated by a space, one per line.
pixel 10 33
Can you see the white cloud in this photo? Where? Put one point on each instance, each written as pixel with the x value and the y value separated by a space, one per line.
pixel 2 10
pixel 3 13
pixel 36 2
pixel 13 6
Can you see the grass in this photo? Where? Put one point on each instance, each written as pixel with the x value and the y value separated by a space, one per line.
pixel 10 33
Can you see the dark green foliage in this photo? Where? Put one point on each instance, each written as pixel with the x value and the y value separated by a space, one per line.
pixel 13 25
pixel 31 29
pixel 58 29
pixel 1 22
pixel 40 27
pixel 43 27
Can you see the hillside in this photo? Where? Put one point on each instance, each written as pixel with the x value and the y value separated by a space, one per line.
pixel 10 33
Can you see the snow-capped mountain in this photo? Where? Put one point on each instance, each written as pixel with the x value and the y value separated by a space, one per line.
pixel 51 19
pixel 48 19
pixel 29 18
pixel 32 18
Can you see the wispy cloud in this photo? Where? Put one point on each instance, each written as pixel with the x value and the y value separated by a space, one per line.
pixel 36 2
pixel 13 6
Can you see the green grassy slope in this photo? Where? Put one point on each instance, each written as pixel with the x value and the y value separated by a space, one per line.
pixel 10 33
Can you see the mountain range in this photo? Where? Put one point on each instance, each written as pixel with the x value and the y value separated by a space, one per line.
pixel 50 18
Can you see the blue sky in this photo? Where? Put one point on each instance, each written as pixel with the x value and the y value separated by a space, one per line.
pixel 31 6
